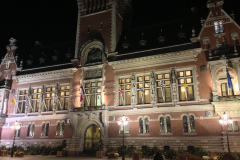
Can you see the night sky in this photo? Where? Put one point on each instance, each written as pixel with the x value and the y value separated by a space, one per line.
pixel 54 21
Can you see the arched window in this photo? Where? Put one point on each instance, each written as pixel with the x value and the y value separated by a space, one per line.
pixel 141 125
pixel 168 124
pixel 165 125
pixel 216 27
pixel 126 127
pixel 45 129
pixel 188 124
pixel 18 132
pixel 60 129
pixel 192 124
pixel 221 26
pixel 146 125
pixel 162 126
pixel 31 127
pixel 185 124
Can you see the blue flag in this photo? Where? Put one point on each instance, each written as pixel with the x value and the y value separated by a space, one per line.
pixel 141 90
pixel 229 80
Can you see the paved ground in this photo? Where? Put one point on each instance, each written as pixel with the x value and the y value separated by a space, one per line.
pixel 59 158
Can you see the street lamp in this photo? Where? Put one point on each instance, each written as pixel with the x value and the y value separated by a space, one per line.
pixel 123 122
pixel 14 127
pixel 226 121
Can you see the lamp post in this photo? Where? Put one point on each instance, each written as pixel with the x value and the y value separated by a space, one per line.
pixel 123 122
pixel 226 122
pixel 14 127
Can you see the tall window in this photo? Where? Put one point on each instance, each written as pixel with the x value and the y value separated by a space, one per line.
pixel 45 129
pixel 18 132
pixel 64 96
pixel 233 127
pixel 49 98
pixel 143 125
pixel 126 127
pixel 21 101
pixel 165 125
pixel 218 27
pixel 143 89
pixel 60 129
pixel 93 93
pixel 163 88
pixel 225 90
pixel 188 124
pixel 124 93
pixel 31 128
pixel 185 85
pixel 36 94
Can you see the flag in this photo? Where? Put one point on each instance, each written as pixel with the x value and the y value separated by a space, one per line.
pixel 185 85
pixel 163 85
pixel 120 90
pixel 229 79
pixel 13 101
pixel 82 93
pixel 141 90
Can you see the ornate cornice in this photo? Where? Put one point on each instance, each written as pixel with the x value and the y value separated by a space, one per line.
pixel 46 76
pixel 156 60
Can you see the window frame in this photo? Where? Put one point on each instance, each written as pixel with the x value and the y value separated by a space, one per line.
pixel 60 128
pixel 31 129
pixel 144 127
pixel 88 93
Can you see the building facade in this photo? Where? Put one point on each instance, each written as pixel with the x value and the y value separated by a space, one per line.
pixel 172 93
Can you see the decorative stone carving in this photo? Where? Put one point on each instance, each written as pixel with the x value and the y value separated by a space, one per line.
pixel 206 40
pixel 234 36
pixel 133 91
pixel 174 88
pixel 94 73
pixel 153 88
pixel 12 45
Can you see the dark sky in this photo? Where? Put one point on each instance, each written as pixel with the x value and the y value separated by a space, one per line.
pixel 54 21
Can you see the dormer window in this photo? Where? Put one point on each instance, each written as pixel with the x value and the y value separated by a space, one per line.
pixel 218 27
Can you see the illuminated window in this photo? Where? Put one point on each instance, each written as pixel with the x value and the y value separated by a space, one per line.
pixel 233 127
pixel 63 97
pixel 36 94
pixel 22 96
pixel 93 92
pixel 124 91
pixel 31 128
pixel 163 88
pixel 49 98
pixel 18 132
pixel 225 90
pixel 143 89
pixel 60 129
pixel 185 85
pixel 218 27
pixel 126 127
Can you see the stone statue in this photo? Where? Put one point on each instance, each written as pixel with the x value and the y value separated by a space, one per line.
pixel 174 89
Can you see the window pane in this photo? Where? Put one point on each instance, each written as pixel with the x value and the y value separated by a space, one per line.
pixel 235 126
pixel 147 78
pixel 121 81
pixel 168 125
pixel 181 81
pixel 128 98
pixel 159 95
pixel 166 76
pixel 99 84
pixel 159 76
pixel 87 85
pixel 147 125
pixel 67 94
pixel 99 100
pixel 62 88
pixel 185 124
pixel 168 97
pixel 140 125
pixel 188 73
pixel 146 85
pixel 190 94
pixel 140 79
pixel 162 127
pixel 182 96
pixel 128 80
pixel 147 96
pixel 128 87
pixel 167 83
pixel 93 84
pixel 67 87
pixel 192 124
pixel 189 80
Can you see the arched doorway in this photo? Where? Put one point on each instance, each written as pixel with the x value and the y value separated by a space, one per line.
pixel 91 138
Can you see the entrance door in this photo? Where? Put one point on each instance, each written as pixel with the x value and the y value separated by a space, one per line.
pixel 91 138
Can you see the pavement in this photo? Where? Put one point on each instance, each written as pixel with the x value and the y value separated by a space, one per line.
pixel 39 157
